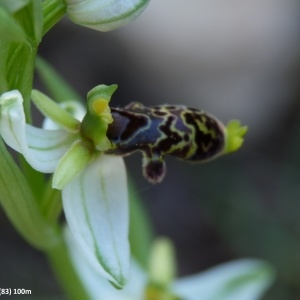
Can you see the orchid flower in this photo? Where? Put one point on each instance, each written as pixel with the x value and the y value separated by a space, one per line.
pixel 94 185
pixel 104 15
pixel 245 279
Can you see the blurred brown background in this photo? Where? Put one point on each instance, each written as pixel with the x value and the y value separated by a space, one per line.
pixel 234 59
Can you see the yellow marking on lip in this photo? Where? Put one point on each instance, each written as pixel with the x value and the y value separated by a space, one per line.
pixel 99 106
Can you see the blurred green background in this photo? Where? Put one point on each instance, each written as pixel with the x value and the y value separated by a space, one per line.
pixel 234 60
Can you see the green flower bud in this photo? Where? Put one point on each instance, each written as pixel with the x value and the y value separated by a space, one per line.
pixel 162 266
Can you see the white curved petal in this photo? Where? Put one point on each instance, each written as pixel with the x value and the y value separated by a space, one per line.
pixel 245 279
pixel 96 208
pixel 46 147
pixel 41 148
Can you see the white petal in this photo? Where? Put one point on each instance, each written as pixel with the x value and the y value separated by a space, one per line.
pixel 245 279
pixel 97 286
pixel 41 148
pixel 45 148
pixel 96 208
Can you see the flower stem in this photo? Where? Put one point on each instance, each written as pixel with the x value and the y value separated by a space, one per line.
pixel 51 203
pixel 53 11
pixel 58 257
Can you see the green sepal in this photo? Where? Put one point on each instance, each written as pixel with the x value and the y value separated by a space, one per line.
pixel 95 123
pixel 72 163
pixel 53 111
pixel 234 135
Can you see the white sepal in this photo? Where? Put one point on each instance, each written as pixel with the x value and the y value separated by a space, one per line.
pixel 245 279
pixel 97 286
pixel 96 208
pixel 104 15
pixel 41 148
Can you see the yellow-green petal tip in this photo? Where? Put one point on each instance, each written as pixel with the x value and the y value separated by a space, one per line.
pixel 235 133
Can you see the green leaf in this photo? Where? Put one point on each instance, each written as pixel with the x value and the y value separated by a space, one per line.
pixel 10 30
pixel 18 71
pixel 53 11
pixel 30 17
pixel 35 179
pixel 19 44
pixel 4 47
pixel 20 206
pixel 58 88
pixel 13 6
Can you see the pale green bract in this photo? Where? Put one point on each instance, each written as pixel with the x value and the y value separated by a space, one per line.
pixel 104 15
pixel 94 186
